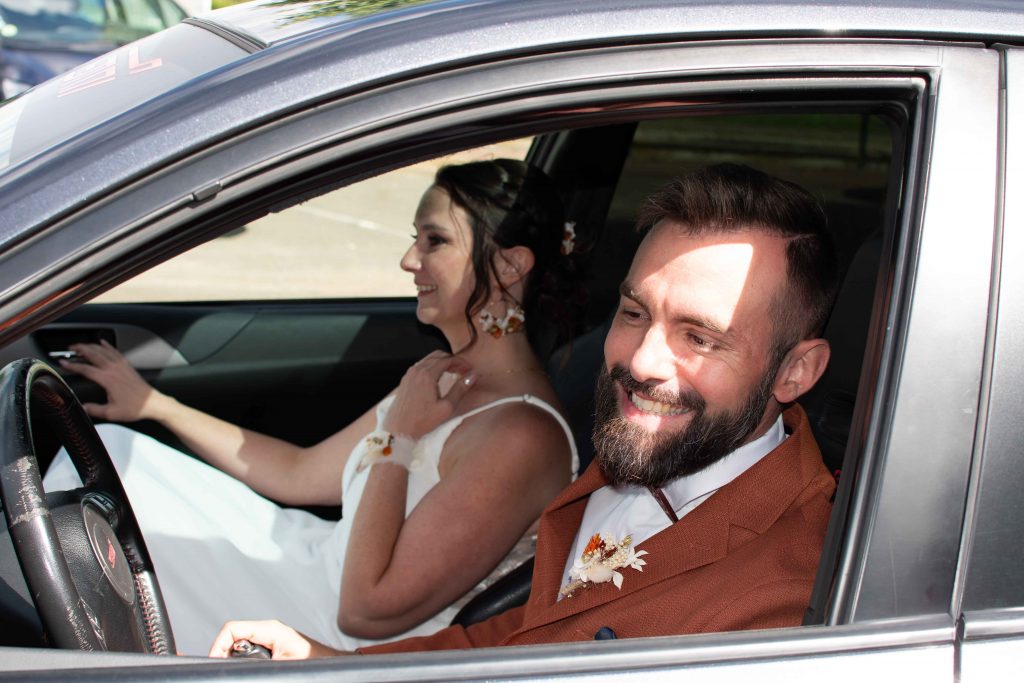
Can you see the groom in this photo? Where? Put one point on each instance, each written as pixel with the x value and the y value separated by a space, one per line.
pixel 707 504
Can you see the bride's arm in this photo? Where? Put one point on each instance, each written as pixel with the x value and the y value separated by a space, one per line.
pixel 275 468
pixel 500 469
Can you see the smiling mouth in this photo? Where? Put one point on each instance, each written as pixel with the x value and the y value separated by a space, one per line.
pixel 425 289
pixel 655 407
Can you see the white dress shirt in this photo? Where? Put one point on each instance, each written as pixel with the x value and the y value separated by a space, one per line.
pixel 633 510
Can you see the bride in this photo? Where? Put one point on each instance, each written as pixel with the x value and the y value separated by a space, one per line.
pixel 439 481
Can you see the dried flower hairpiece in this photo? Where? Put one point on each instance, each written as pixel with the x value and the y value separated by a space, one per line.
pixel 569 238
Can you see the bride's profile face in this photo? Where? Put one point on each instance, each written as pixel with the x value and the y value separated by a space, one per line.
pixel 440 260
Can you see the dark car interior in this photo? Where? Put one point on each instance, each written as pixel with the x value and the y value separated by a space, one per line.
pixel 288 368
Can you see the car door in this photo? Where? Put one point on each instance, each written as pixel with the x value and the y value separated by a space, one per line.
pixel 889 577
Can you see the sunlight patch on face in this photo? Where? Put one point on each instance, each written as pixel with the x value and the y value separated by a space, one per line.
pixel 713 279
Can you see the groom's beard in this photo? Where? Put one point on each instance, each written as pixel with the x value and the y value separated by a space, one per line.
pixel 630 454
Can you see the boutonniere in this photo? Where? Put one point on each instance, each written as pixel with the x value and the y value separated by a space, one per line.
pixel 599 562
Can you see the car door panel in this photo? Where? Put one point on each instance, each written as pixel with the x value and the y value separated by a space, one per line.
pixel 990 645
pixel 992 600
pixel 296 371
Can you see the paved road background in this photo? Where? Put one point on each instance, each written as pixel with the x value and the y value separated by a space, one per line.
pixel 346 243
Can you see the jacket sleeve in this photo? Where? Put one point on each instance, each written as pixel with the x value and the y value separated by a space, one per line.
pixel 489 633
pixel 776 604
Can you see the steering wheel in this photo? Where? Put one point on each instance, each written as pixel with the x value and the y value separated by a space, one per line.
pixel 81 551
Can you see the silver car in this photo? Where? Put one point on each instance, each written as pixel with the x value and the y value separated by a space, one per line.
pixel 226 200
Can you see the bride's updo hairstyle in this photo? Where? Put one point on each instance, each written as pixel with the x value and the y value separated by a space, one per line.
pixel 511 203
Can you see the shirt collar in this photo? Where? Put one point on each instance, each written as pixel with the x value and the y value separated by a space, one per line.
pixel 685 490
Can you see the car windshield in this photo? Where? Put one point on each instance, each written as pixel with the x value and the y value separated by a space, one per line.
pixel 57 23
pixel 61 107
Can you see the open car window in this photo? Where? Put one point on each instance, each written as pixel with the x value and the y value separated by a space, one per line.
pixel 340 245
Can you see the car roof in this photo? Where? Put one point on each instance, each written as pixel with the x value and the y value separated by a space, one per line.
pixel 269 22
pixel 289 56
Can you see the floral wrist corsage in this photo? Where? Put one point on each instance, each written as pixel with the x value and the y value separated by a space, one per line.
pixel 383 446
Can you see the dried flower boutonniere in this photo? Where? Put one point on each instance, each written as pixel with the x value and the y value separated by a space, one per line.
pixel 599 560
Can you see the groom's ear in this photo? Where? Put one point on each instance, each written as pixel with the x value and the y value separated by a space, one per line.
pixel 801 369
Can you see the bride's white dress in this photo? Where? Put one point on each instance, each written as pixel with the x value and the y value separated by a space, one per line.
pixel 222 551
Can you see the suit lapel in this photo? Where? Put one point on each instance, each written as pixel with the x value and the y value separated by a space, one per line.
pixel 557 531
pixel 754 500
pixel 698 539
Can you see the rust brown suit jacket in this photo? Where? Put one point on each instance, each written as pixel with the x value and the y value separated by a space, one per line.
pixel 744 559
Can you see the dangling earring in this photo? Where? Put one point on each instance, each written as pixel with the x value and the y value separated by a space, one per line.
pixel 499 327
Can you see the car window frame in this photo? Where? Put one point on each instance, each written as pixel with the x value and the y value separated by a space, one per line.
pixel 310 138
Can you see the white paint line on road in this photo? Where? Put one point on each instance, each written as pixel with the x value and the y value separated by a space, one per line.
pixel 339 217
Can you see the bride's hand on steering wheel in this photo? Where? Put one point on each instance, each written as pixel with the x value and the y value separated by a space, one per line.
pixel 419 406
pixel 128 395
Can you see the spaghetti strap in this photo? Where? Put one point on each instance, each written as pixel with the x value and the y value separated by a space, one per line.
pixel 534 401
